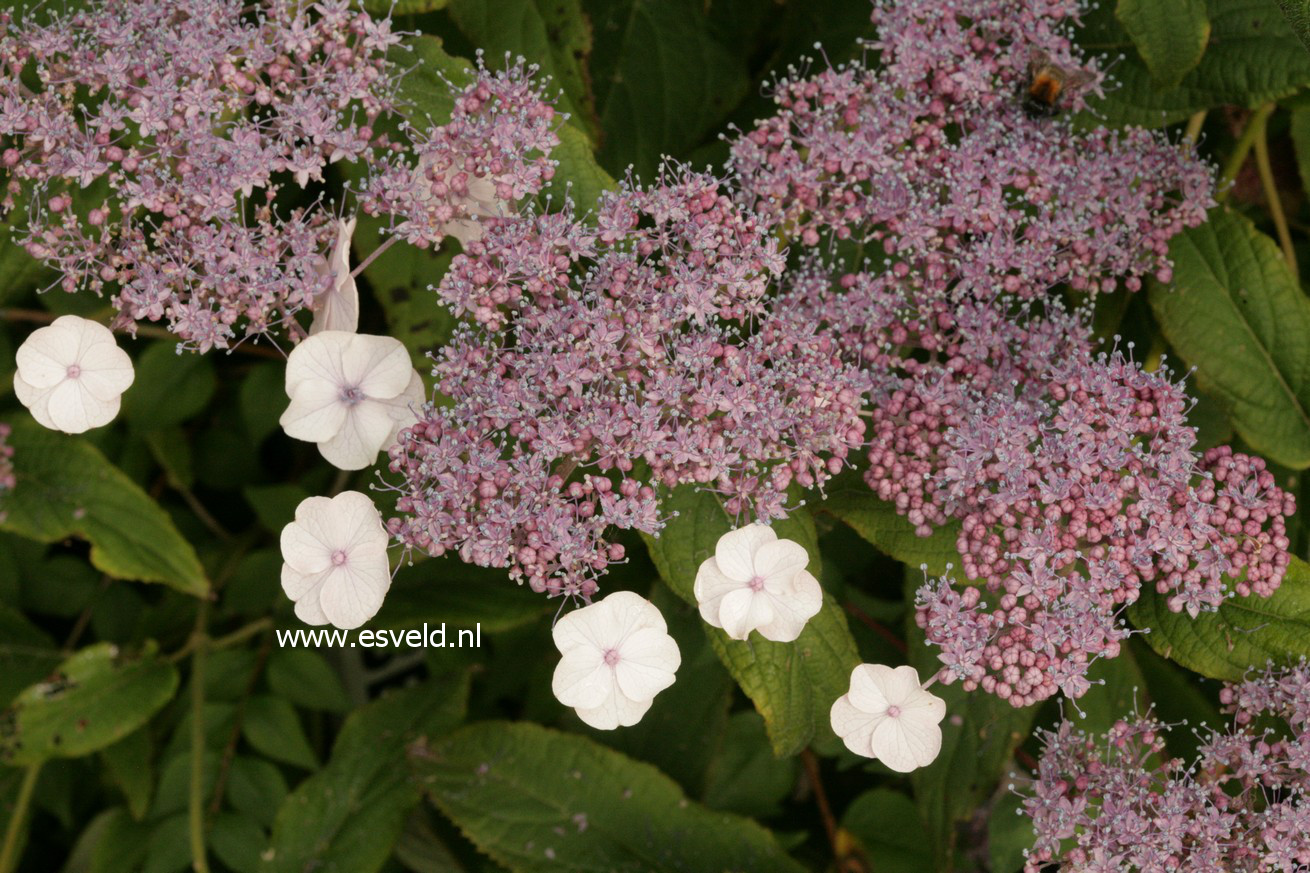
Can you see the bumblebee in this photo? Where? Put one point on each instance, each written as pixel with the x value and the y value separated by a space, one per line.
pixel 1047 81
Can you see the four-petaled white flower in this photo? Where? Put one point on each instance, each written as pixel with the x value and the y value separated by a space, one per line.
pixel 335 560
pixel 756 581
pixel 352 394
pixel 338 307
pixel 888 715
pixel 71 374
pixel 617 656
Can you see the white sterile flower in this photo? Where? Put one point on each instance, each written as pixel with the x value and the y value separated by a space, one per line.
pixel 338 307
pixel 888 715
pixel 756 581
pixel 352 394
pixel 335 560
pixel 617 656
pixel 72 375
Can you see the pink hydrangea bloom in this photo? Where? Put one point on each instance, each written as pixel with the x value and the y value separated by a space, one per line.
pixel 1121 802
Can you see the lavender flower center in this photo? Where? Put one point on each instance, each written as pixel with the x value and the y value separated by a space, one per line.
pixel 611 657
pixel 73 371
pixel 756 583
pixel 339 557
pixel 893 711
pixel 351 395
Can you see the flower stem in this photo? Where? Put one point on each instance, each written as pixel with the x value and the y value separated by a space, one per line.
pixel 373 256
pixel 1194 125
pixel 821 800
pixel 1254 130
pixel 9 850
pixel 1275 201
pixel 196 799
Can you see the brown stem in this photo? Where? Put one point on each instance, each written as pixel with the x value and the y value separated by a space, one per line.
pixel 811 764
pixel 234 736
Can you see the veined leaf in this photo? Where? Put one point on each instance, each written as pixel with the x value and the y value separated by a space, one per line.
pixel 67 488
pixel 1170 35
pixel 1236 313
pixel 536 799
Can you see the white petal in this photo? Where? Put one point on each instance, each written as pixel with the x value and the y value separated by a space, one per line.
pixel 318 359
pixel 354 592
pixel 902 685
pixel 316 412
pixel 338 307
pixel 306 546
pixel 358 524
pixel 583 679
pixel 106 371
pixel 628 612
pixel 735 551
pixel 854 726
pixel 377 365
pixel 710 588
pixel 792 608
pixel 300 586
pixel 309 611
pixel 868 682
pixel 45 356
pixel 74 410
pixel 902 749
pixel 743 611
pixel 37 401
pixel 579 629
pixel 362 435
pixel 616 711
pixel 781 559
pixel 405 409
pixel 923 708
pixel 648 660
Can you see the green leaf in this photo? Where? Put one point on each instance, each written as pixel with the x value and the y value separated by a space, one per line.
pixel 1170 35
pixel 236 840
pixel 275 505
pixel 128 762
pixel 1245 632
pixel 538 799
pixel 170 387
pixel 67 488
pixel 578 173
pixel 256 787
pixel 792 684
pixel 95 698
pixel 461 595
pixel 1300 133
pixel 272 727
pixel 348 815
pixel 1252 57
pixel 1118 688
pixel 1237 314
pixel 1297 13
pixel 263 398
pixel 426 88
pixel 305 679
pixel 850 500
pixel 122 845
pixel 27 654
pixel 553 34
pixel 1009 834
pixel 663 82
pixel 745 777
pixel 172 452
pixel 902 847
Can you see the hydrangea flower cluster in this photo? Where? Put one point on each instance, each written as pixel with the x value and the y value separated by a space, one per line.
pixel 186 187
pixel 933 158
pixel 606 361
pixel 1121 803
pixel 1069 505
